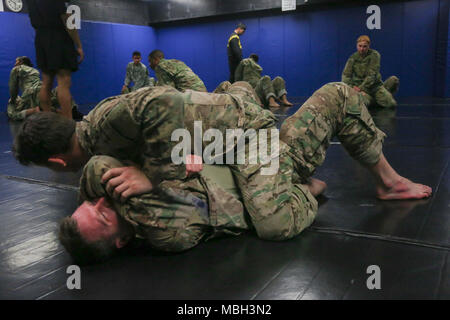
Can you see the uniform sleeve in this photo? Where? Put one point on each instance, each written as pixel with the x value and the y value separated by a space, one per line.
pixel 373 69
pixel 14 83
pixel 235 49
pixel 348 72
pixel 147 79
pixel 128 76
pixel 168 221
pixel 238 74
pixel 164 78
pixel 161 117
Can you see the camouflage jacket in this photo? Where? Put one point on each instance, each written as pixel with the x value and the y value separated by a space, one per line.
pixel 179 213
pixel 177 74
pixel 138 126
pixel 26 79
pixel 363 72
pixel 138 74
pixel 23 78
pixel 248 70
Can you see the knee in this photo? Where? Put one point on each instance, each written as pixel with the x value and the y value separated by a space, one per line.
pixel 64 81
pixel 277 227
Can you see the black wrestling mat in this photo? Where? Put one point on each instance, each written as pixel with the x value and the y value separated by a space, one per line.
pixel 354 238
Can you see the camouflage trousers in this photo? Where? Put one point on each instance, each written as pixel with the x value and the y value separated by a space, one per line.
pixel 30 99
pixel 383 95
pixel 279 205
pixel 333 110
pixel 264 89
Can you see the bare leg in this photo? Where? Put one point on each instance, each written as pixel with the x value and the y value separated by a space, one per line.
pixel 64 96
pixel 285 101
pixel 273 103
pixel 391 186
pixel 45 93
pixel 316 186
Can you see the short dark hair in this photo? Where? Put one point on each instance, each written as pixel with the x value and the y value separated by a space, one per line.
pixel 255 57
pixel 82 251
pixel 156 54
pixel 41 136
pixel 242 26
pixel 136 53
pixel 26 61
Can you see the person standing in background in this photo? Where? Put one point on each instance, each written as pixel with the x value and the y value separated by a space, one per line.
pixel 57 48
pixel 234 49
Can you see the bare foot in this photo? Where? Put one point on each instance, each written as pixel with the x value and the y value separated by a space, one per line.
pixel 316 186
pixel 403 189
pixel 285 101
pixel 273 103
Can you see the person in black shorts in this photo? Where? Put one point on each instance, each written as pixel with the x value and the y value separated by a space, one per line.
pixel 57 48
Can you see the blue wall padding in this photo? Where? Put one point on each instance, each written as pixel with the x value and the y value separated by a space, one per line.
pixel 310 48
pixel 307 47
pixel 107 47
pixel 447 72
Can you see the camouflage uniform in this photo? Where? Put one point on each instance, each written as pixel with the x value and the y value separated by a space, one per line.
pixel 364 72
pixel 278 204
pixel 138 127
pixel 177 74
pixel 27 79
pixel 138 74
pixel 248 70
pixel 180 213
pixel 334 110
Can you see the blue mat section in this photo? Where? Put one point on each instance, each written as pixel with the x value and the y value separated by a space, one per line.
pixel 107 47
pixel 307 47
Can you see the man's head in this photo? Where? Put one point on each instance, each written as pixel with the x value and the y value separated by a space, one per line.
pixel 154 57
pixel 137 57
pixel 363 45
pixel 48 139
pixel 23 60
pixel 94 232
pixel 240 29
pixel 254 57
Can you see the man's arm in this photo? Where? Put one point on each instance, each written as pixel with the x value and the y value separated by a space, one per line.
pixel 372 72
pixel 348 72
pixel 147 79
pixel 14 84
pixel 73 33
pixel 160 118
pixel 127 77
pixel 169 221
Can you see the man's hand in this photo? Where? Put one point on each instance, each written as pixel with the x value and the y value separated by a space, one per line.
pixel 194 164
pixel 125 182
pixel 81 54
pixel 357 88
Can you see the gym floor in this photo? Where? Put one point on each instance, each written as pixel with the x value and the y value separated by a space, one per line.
pixel 407 240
